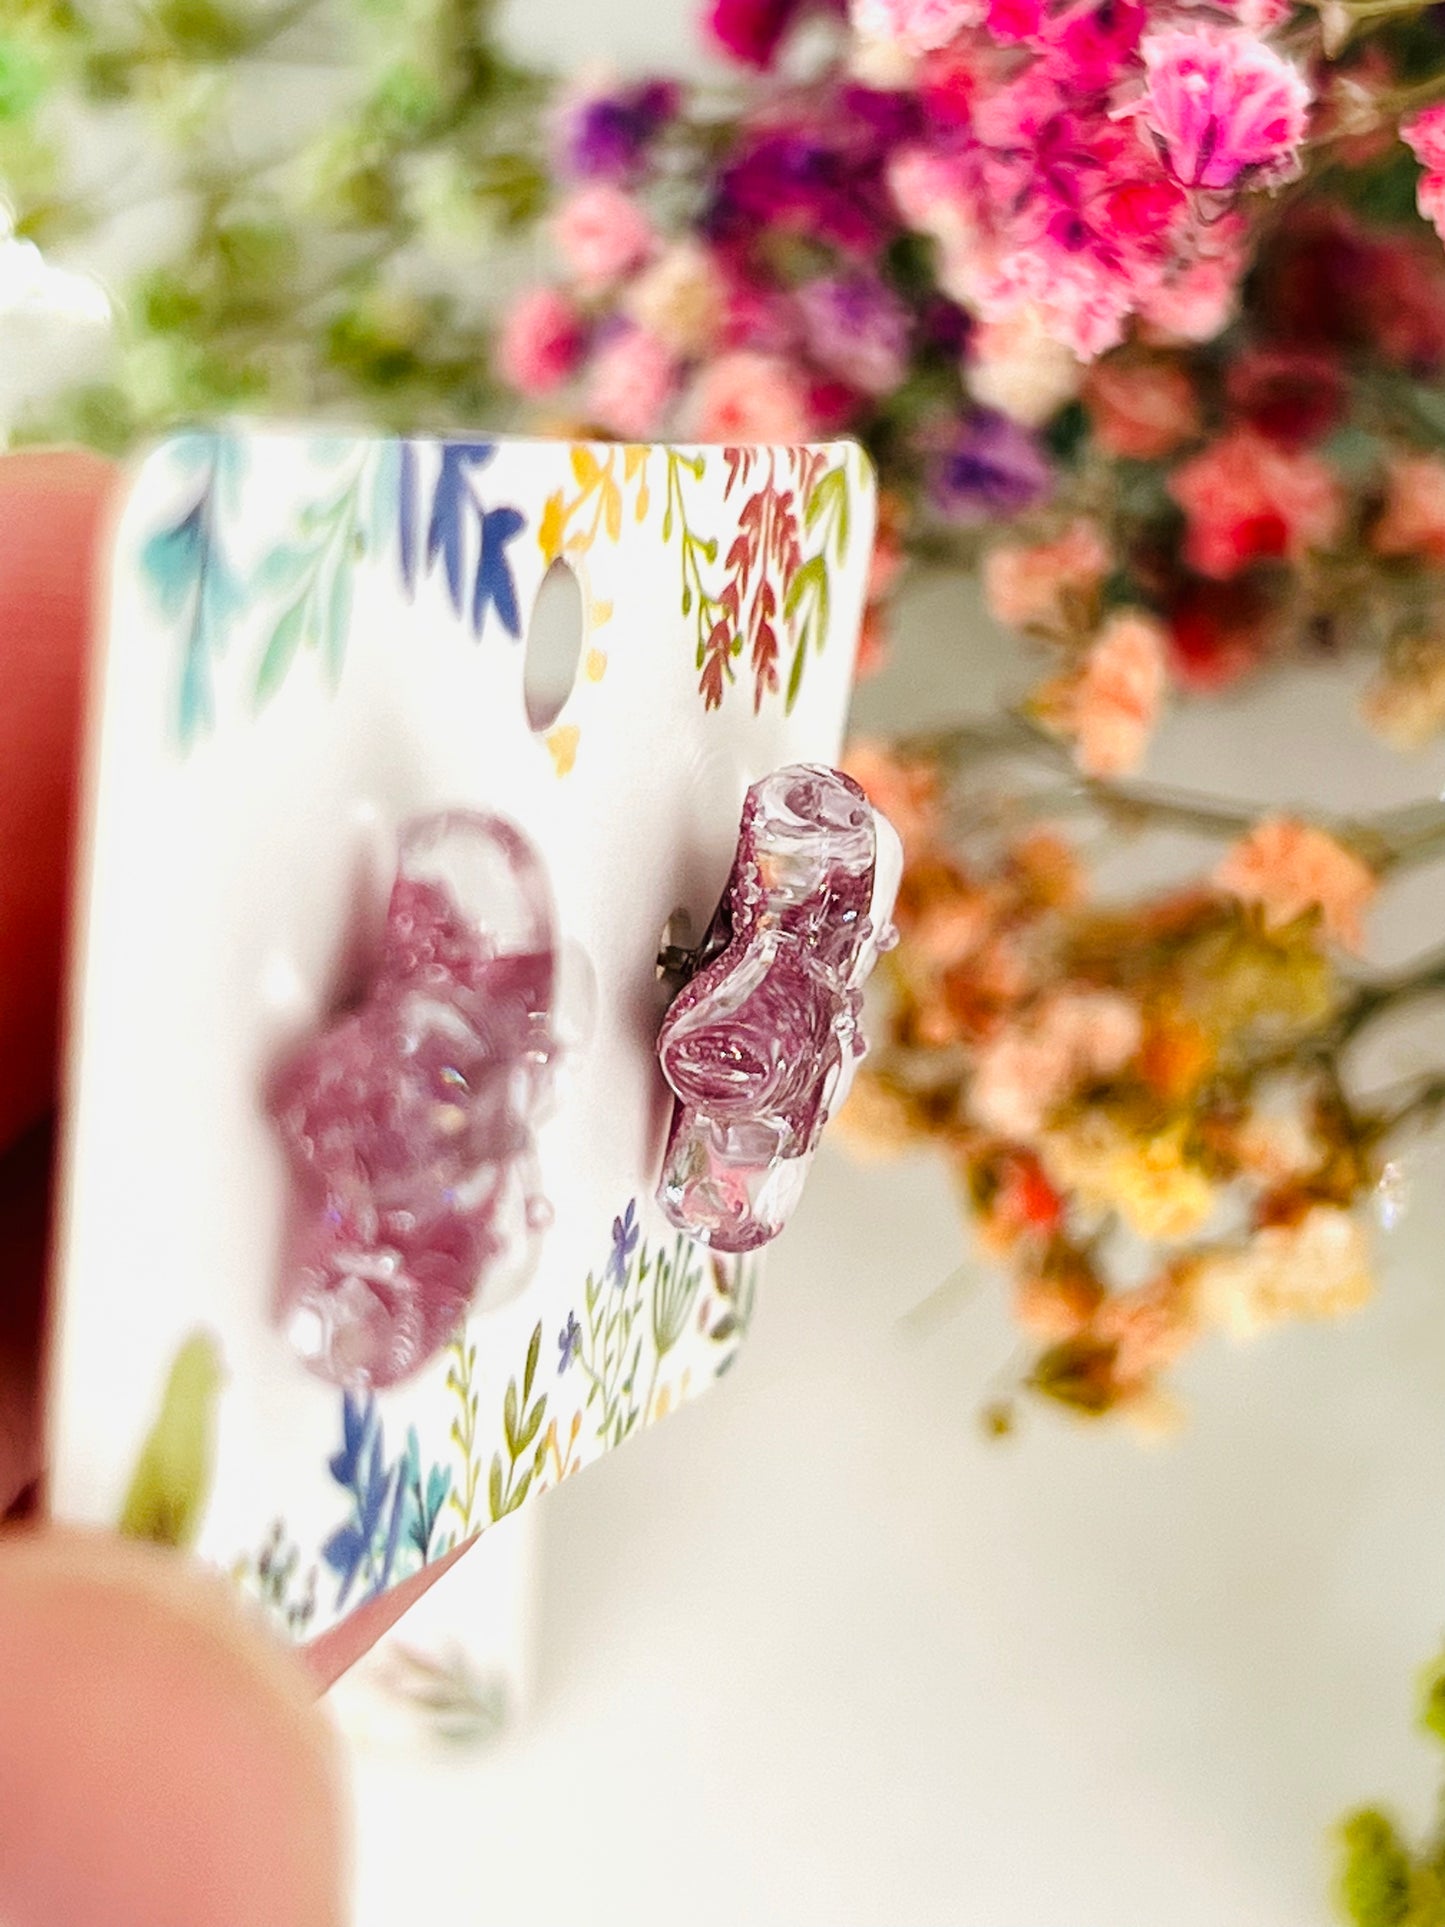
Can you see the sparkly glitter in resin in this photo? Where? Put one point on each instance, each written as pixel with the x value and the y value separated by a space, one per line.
pixel 760 1046
pixel 407 1119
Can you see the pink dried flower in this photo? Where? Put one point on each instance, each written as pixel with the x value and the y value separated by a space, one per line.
pixel 602 235
pixel 540 343
pixel 1141 410
pixel 1430 199
pixel 1249 500
pixel 917 25
pixel 1424 135
pixel 1413 519
pixel 750 398
pixel 1225 108
pixel 634 377
pixel 1115 699
pixel 1027 586
pixel 1289 868
pixel 1197 298
pixel 1017 366
pixel 679 298
pixel 1258 15
pixel 1027 1069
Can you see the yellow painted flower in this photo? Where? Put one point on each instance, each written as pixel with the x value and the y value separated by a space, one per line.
pixel 552 527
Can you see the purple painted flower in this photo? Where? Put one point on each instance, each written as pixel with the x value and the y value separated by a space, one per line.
pixel 856 328
pixel 569 1343
pixel 626 1232
pixel 604 134
pixel 989 467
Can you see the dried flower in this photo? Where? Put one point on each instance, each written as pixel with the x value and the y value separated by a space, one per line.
pixel 750 398
pixel 917 25
pixel 1224 106
pixel 1248 500
pixel 1141 410
pixel 601 234
pixel 1018 367
pixel 1318 1267
pixel 988 468
pixel 679 299
pixel 633 379
pixel 1026 1071
pixel 1291 869
pixel 1044 584
pixel 1412 521
pixel 1406 702
pixel 541 342
pixel 1111 706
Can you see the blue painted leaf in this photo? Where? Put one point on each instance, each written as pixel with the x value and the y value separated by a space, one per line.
pixel 495 584
pixel 355 1425
pixel 338 617
pixel 377 1482
pixel 452 504
pixel 285 640
pixel 283 568
pixel 383 501
pixel 406 506
pixel 172 558
pixel 344 1552
pixel 438 1489
pixel 401 1508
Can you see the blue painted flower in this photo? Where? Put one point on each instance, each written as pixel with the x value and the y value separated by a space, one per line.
pixel 569 1343
pixel 626 1234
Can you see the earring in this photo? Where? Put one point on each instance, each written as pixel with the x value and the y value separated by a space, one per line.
pixel 761 1044
pixel 407 1120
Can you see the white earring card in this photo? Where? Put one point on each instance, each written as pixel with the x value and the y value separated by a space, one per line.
pixel 309 643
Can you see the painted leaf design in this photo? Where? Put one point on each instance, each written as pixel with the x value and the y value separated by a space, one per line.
pixel 284 641
pixel 172 1478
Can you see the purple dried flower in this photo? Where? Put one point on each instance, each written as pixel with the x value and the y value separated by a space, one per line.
pixel 990 467
pixel 604 134
pixel 856 328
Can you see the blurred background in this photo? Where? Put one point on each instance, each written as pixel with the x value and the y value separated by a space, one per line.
pixel 825 1648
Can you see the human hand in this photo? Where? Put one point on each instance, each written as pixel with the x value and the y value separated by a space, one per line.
pixel 161 1761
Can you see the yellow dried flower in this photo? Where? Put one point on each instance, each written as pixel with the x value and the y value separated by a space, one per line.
pixel 1318 1267
pixel 1146 1177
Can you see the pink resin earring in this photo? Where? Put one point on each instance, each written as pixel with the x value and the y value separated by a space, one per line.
pixel 761 1044
pixel 407 1119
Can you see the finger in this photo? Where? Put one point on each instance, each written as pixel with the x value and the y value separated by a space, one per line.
pixel 52 507
pixel 330 1654
pixel 24 1237
pixel 160 1763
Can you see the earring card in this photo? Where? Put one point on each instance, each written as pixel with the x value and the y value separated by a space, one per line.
pixel 309 642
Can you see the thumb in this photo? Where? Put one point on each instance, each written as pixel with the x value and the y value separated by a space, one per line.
pixel 161 1763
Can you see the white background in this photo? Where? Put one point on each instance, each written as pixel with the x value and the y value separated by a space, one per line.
pixel 816 1652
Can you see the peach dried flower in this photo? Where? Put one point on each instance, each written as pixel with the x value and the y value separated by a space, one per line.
pixel 1290 868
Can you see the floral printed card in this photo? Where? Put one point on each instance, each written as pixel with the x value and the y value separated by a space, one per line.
pixel 310 643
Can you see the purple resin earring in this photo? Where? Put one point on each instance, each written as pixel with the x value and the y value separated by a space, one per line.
pixel 761 1044
pixel 407 1119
